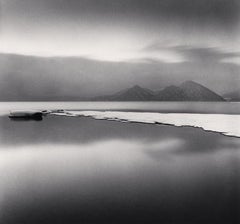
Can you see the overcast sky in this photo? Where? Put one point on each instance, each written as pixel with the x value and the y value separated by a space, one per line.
pixel 119 30
pixel 170 40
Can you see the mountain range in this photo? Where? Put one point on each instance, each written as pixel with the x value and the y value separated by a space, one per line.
pixel 187 91
pixel 34 78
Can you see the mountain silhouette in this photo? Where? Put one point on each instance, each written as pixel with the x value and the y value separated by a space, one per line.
pixel 187 91
pixel 135 93
pixel 34 78
pixel 170 93
pixel 195 92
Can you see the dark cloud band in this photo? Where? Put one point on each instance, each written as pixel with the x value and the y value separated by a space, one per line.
pixel 222 13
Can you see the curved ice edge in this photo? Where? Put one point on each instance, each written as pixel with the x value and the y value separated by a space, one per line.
pixel 226 124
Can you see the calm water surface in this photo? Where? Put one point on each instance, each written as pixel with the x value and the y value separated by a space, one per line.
pixel 168 107
pixel 80 170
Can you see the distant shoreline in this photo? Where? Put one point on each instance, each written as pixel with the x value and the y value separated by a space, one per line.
pixel 169 101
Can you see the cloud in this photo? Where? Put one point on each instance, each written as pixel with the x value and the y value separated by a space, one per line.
pixel 233 60
pixel 195 53
pixel 114 30
pixel 224 13
pixel 205 54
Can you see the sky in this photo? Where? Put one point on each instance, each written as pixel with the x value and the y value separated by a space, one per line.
pixel 114 30
pixel 201 34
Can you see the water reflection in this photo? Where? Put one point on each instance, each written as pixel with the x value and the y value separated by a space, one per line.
pixel 26 118
pixel 74 130
pixel 75 170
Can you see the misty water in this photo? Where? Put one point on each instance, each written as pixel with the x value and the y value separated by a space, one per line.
pixel 81 170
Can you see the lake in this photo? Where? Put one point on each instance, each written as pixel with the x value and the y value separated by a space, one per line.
pixel 83 170
pixel 168 107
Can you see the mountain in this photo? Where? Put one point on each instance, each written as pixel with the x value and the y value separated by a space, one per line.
pixel 187 91
pixel 35 78
pixel 170 93
pixel 195 92
pixel 31 78
pixel 136 93
pixel 232 96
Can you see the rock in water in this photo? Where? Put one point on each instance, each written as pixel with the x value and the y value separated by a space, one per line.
pixel 26 115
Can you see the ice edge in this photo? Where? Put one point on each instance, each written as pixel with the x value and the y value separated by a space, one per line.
pixel 225 124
